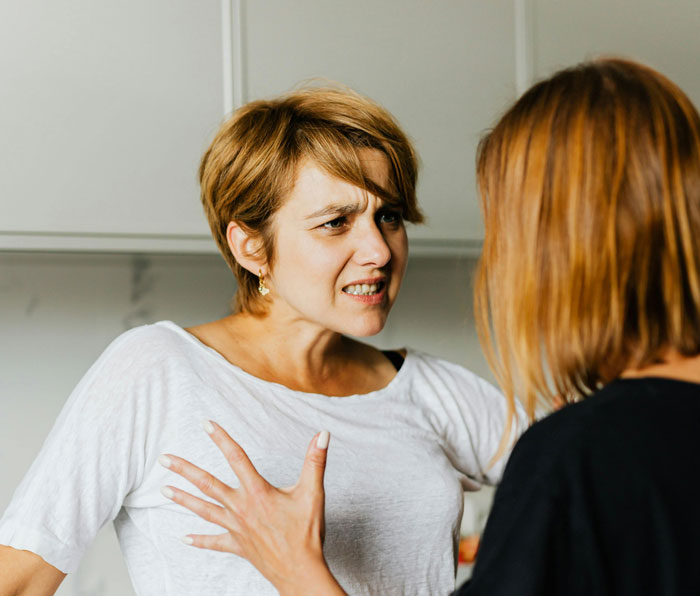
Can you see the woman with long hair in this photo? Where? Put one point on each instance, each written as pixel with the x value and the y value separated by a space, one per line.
pixel 588 291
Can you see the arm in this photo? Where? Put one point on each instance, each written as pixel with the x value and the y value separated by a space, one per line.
pixel 23 573
pixel 280 531
pixel 91 459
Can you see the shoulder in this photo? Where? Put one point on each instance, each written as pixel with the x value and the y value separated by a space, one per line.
pixel 448 378
pixel 133 379
pixel 599 410
pixel 464 397
pixel 162 333
pixel 581 431
pixel 428 365
pixel 154 340
pixel 142 353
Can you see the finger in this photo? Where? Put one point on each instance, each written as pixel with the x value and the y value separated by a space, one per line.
pixel 204 481
pixel 222 542
pixel 315 464
pixel 208 511
pixel 235 456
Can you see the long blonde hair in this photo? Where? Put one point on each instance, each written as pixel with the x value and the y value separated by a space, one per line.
pixel 590 190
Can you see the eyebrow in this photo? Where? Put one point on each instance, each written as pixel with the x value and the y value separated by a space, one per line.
pixel 336 209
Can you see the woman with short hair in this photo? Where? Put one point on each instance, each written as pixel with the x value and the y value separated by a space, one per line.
pixel 588 291
pixel 307 197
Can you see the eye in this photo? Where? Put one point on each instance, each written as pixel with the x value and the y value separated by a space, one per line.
pixel 390 218
pixel 335 224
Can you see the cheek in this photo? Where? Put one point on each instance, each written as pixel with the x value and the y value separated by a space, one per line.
pixel 304 261
pixel 324 262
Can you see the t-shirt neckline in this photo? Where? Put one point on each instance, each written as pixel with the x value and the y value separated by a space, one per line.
pixel 389 388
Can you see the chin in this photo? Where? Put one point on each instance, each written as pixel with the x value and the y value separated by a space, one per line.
pixel 365 328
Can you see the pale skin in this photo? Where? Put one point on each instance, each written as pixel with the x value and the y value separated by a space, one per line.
pixel 280 531
pixel 329 235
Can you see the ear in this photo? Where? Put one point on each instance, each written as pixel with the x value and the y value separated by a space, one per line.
pixel 246 248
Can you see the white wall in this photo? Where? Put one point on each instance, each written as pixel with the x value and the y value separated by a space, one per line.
pixel 59 311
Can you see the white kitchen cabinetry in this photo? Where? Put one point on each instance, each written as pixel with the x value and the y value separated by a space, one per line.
pixel 106 108
pixel 662 34
pixel 444 68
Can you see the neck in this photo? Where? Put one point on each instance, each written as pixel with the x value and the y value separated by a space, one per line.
pixel 289 341
pixel 283 348
pixel 673 366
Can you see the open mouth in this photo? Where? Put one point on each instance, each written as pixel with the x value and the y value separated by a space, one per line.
pixel 364 289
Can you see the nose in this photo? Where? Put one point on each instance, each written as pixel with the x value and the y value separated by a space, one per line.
pixel 371 247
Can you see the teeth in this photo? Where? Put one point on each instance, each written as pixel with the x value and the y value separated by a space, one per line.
pixel 362 289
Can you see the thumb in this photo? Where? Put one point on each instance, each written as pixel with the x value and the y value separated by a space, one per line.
pixel 311 478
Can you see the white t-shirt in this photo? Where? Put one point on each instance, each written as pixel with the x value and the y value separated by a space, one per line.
pixel 398 463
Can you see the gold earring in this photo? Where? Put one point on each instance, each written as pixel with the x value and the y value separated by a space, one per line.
pixel 262 288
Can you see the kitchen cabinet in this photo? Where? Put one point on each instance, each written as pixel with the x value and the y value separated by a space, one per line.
pixel 445 69
pixel 662 34
pixel 106 109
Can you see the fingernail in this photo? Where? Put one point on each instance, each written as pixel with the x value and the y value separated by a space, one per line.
pixel 323 438
pixel 167 492
pixel 187 540
pixel 208 427
pixel 165 461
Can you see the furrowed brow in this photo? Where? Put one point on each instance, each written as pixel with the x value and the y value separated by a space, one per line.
pixel 337 210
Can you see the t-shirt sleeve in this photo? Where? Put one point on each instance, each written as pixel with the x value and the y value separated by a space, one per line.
pixel 473 414
pixel 483 413
pixel 93 456
pixel 527 534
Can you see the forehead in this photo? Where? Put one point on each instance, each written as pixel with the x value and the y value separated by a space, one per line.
pixel 315 187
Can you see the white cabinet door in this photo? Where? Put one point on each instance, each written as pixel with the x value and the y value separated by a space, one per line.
pixel 106 108
pixel 663 34
pixel 444 68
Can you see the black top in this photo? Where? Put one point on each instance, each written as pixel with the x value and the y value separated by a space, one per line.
pixel 601 498
pixel 395 358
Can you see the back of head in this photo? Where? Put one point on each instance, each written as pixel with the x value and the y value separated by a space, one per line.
pixel 250 166
pixel 590 188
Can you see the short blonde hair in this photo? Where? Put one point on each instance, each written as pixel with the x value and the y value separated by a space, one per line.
pixel 249 168
pixel 590 188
